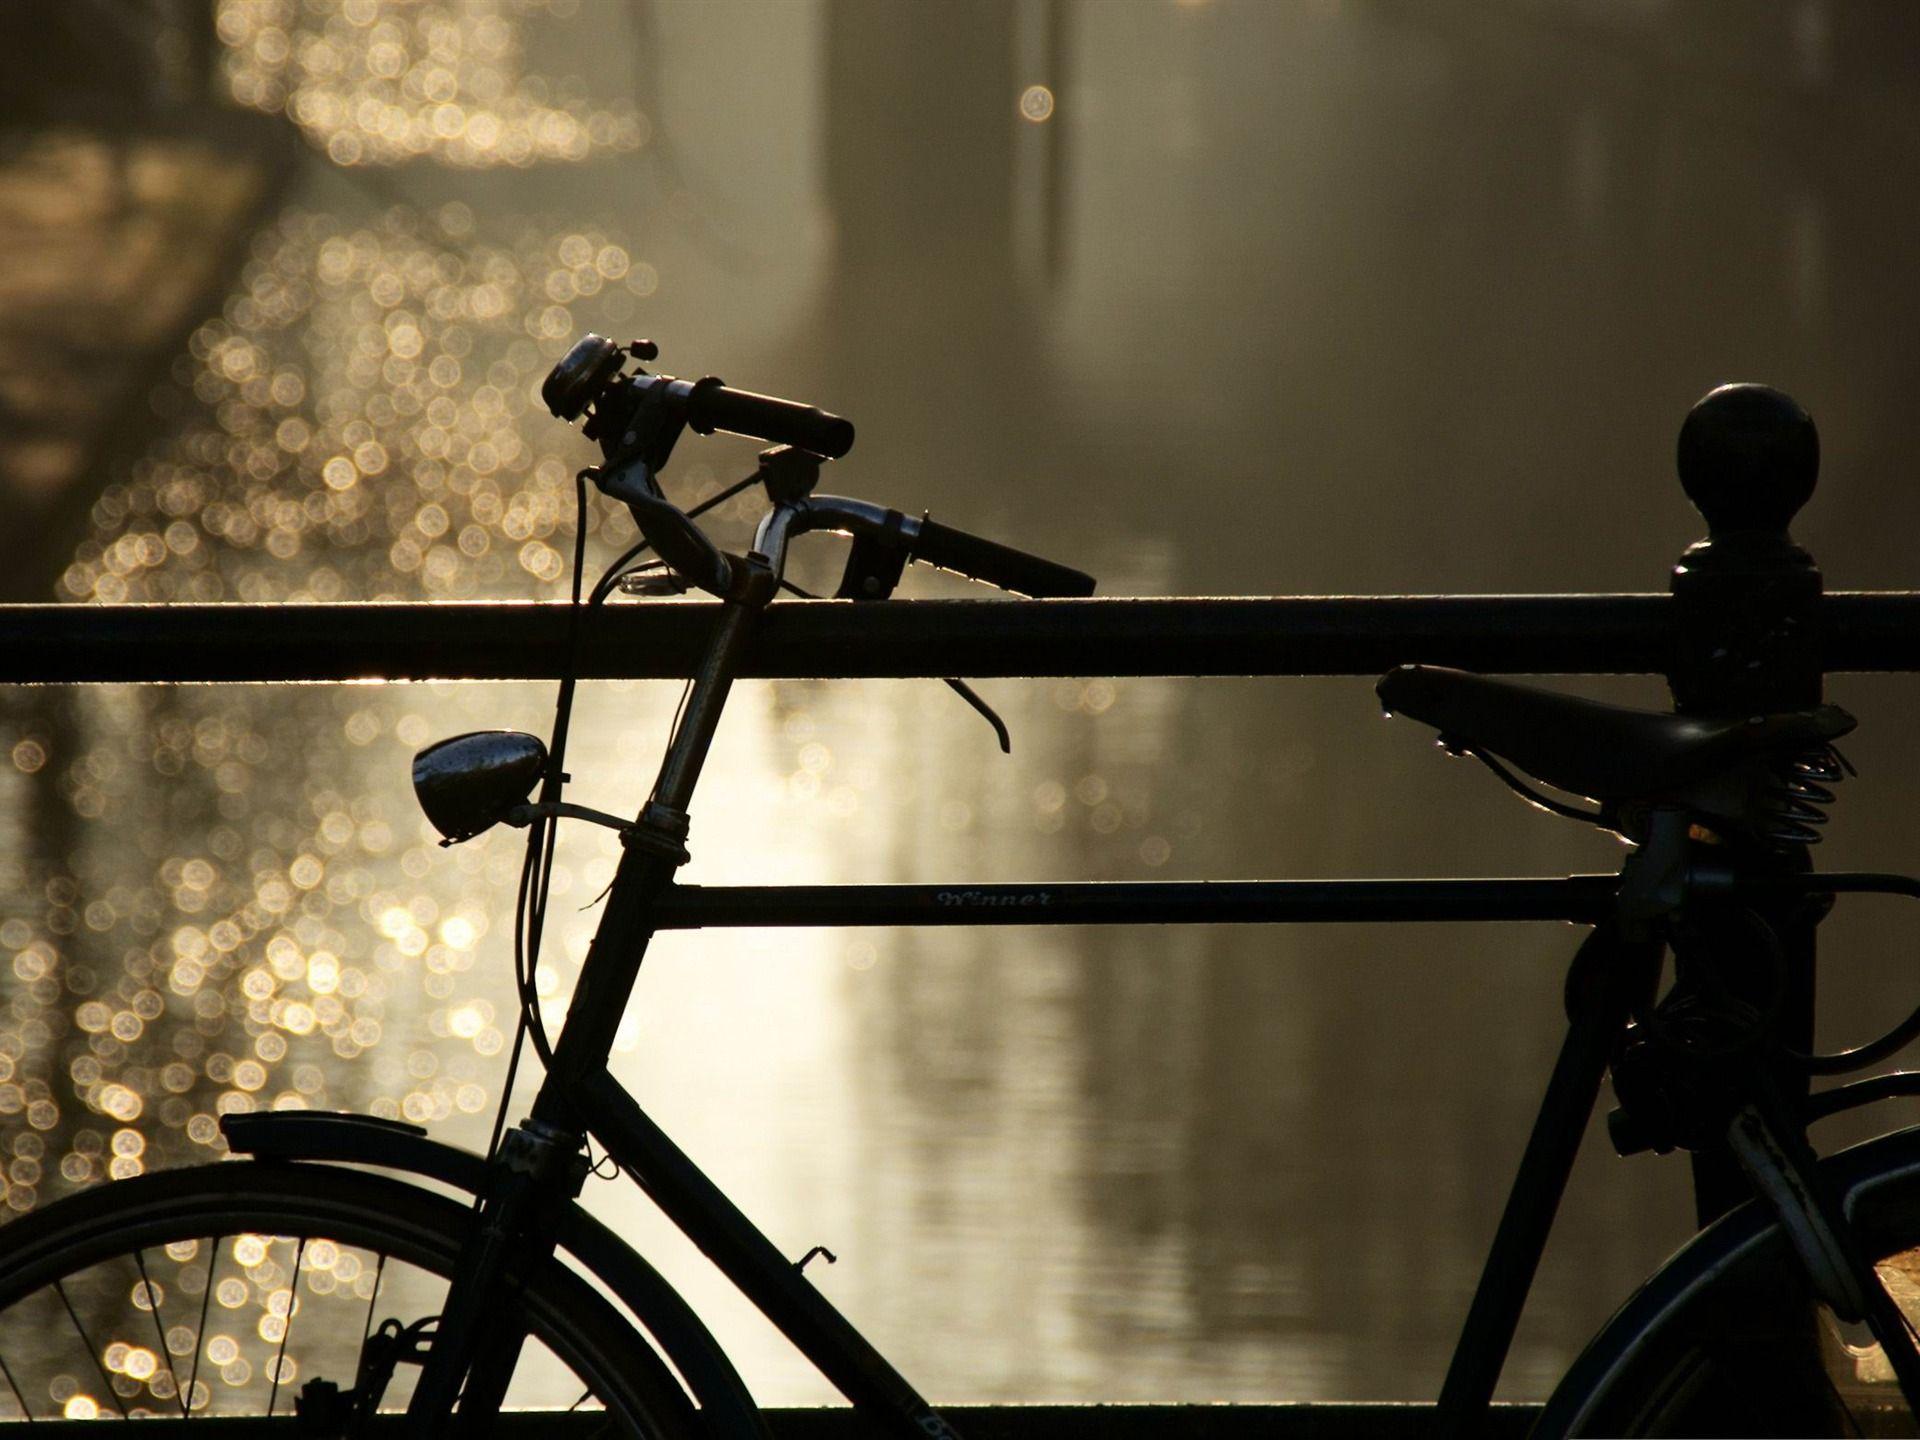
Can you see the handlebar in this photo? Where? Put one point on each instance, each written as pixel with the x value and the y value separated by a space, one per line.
pixel 684 546
pixel 712 406
pixel 641 413
pixel 995 564
pixel 636 417
pixel 924 540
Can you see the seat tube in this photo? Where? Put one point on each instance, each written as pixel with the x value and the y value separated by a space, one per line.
pixel 1605 975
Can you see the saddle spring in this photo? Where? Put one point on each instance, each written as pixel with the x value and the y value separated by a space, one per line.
pixel 1799 790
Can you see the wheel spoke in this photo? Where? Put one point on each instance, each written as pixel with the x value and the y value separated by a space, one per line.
pixel 286 1331
pixel 160 1329
pixel 109 1265
pixel 1908 1334
pixel 25 1410
pixel 200 1336
pixel 60 1289
pixel 379 1269
pixel 366 1330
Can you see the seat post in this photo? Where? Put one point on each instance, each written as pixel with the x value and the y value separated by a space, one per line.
pixel 1744 597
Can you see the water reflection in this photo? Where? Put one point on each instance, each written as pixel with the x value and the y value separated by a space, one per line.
pixel 381 85
pixel 220 900
pixel 407 345
pixel 1056 1164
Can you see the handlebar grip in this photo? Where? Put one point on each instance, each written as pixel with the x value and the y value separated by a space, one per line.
pixel 997 564
pixel 713 406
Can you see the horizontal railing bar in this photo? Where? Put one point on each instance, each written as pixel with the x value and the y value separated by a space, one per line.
pixel 1350 1420
pixel 1581 898
pixel 1511 634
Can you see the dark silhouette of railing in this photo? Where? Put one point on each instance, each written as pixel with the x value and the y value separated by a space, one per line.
pixel 1745 629
pixel 801 639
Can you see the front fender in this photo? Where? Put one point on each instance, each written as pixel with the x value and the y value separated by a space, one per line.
pixel 349 1139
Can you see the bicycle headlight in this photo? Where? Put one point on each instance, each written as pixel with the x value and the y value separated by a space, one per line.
pixel 468 783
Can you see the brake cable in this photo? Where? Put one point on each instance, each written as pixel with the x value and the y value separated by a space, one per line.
pixel 1858 1057
pixel 959 687
pixel 530 904
pixel 1839 1062
pixel 611 577
pixel 530 908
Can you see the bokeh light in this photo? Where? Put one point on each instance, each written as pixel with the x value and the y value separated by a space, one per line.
pixel 344 352
pixel 259 904
pixel 374 83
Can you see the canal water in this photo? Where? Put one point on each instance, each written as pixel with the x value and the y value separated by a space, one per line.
pixel 1313 298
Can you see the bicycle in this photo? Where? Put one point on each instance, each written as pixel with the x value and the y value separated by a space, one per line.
pixel 488 1283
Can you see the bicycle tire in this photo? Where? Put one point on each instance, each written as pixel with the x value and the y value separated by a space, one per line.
pixel 1727 1339
pixel 84 1243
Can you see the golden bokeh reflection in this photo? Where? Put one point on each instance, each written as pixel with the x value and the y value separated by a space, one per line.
pixel 375 83
pixel 222 899
pixel 353 422
pixel 1203 298
pixel 1036 104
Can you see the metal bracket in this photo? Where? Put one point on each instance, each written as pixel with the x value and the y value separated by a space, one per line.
pixel 545 1154
pixel 789 474
pixel 874 568
pixel 661 830
pixel 807 1259
pixel 1653 882
pixel 521 816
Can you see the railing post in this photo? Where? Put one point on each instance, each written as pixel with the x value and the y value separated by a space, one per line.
pixel 1746 637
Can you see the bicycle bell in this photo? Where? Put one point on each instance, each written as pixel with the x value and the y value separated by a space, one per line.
pixel 468 783
pixel 585 372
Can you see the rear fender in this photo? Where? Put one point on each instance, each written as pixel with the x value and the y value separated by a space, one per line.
pixel 1879 1182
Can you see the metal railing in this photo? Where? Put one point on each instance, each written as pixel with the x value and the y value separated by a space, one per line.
pixel 825 639
pixel 1746 629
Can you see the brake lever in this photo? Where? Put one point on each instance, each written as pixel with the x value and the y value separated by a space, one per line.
pixel 967 693
pixel 655 579
pixel 959 687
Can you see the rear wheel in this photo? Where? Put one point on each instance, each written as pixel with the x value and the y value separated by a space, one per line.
pixel 258 1289
pixel 1728 1339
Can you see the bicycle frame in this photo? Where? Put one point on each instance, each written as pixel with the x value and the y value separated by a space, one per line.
pixel 580 1096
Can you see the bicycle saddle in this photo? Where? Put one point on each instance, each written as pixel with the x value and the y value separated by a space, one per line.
pixel 1615 755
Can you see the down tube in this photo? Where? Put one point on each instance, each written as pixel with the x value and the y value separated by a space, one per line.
pixel 750 1260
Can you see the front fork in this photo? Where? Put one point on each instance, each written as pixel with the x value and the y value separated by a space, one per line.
pixel 1608 978
pixel 542 1165
pixel 536 1175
